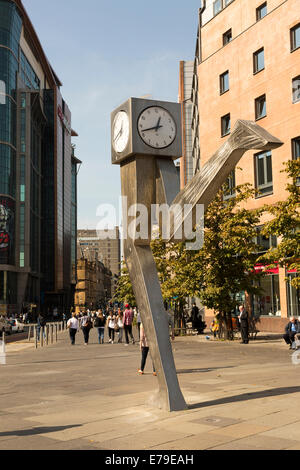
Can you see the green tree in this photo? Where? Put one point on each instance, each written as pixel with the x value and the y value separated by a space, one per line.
pixel 172 260
pixel 285 224
pixel 225 264
pixel 124 291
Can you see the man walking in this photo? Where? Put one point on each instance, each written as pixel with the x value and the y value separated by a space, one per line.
pixel 244 324
pixel 127 324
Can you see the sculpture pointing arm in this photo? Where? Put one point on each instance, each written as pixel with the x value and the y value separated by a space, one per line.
pixel 245 136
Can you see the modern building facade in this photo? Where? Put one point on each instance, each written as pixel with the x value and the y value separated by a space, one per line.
pixel 247 66
pixel 38 169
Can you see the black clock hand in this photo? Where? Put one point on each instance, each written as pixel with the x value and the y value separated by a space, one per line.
pixel 158 124
pixel 119 133
pixel 151 128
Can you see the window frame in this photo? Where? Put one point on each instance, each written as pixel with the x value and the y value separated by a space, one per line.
pixel 293 90
pixel 266 184
pixel 259 9
pixel 255 61
pixel 296 139
pixel 256 105
pixel 226 35
pixel 221 78
pixel 224 134
pixel 294 47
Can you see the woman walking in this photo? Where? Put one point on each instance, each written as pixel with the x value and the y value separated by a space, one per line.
pixel 99 323
pixel 111 323
pixel 145 350
pixel 86 326
pixel 120 325
pixel 73 326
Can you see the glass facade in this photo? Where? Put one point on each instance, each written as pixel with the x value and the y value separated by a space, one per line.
pixel 48 196
pixel 38 196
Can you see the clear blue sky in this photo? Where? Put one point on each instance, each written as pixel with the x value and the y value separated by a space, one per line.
pixel 104 52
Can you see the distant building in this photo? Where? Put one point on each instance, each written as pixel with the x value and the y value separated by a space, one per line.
pixel 93 287
pixel 38 174
pixel 101 246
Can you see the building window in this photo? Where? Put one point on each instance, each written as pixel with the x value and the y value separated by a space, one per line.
pixel 268 302
pixel 261 11
pixel 229 188
pixel 260 107
pixel 263 173
pixel 296 153
pixel 217 6
pixel 293 297
pixel 295 37
pixel 225 125
pixel 265 243
pixel 227 37
pixel 296 148
pixel 259 60
pixel 296 89
pixel 224 82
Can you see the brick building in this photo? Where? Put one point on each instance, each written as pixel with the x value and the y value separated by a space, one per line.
pixel 247 66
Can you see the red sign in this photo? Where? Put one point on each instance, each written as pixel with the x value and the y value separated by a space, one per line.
pixel 261 268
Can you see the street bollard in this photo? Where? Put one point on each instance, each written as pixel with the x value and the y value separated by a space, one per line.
pixel 42 337
pixel 35 337
pixel 51 333
pixel 56 332
pixel 29 334
pixel 2 351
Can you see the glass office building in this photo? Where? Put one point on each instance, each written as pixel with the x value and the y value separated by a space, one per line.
pixel 38 169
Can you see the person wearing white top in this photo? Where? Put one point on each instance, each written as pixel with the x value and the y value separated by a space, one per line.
pixel 73 326
pixel 111 323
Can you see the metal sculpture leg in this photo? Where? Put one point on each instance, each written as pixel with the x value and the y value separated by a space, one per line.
pixel 138 185
pixel 144 180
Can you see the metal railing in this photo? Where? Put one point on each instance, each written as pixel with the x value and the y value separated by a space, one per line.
pixel 45 335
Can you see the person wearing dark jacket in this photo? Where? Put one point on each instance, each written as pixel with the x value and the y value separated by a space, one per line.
pixel 244 322
pixel 291 329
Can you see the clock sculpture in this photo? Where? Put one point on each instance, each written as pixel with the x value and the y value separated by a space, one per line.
pixel 146 139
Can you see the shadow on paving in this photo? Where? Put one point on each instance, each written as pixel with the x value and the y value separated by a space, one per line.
pixel 209 369
pixel 35 431
pixel 247 396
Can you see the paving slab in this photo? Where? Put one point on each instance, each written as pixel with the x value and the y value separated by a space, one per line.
pixel 91 398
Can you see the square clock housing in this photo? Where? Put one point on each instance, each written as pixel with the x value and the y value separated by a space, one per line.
pixel 146 127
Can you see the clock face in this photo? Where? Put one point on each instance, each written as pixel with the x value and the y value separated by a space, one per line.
pixel 157 127
pixel 120 131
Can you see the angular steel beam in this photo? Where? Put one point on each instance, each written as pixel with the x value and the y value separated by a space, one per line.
pixel 147 180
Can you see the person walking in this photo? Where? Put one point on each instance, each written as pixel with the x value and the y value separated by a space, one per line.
pixel 139 321
pixel 73 326
pixel 111 324
pixel 127 322
pixel 120 325
pixel 41 324
pixel 99 323
pixel 144 347
pixel 243 317
pixel 86 326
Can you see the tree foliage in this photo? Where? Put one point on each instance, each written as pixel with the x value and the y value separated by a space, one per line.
pixel 124 291
pixel 285 224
